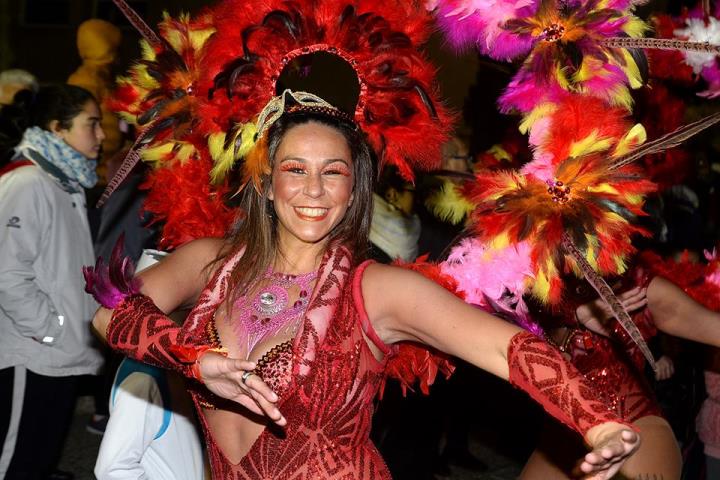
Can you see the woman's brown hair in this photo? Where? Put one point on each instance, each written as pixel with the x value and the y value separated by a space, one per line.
pixel 256 227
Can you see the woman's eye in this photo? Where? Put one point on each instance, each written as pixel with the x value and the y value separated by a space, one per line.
pixel 337 171
pixel 293 168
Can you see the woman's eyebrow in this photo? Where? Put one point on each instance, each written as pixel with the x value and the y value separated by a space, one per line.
pixel 296 159
pixel 333 160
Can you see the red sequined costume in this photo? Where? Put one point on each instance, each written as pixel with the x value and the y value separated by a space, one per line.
pixel 614 367
pixel 328 399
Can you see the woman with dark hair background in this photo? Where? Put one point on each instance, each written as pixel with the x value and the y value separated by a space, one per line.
pixel 49 143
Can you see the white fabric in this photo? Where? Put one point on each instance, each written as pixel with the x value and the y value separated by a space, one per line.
pixel 16 408
pixel 129 449
pixel 392 233
pixel 45 241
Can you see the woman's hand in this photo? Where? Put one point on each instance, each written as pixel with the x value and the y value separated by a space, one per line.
pixel 612 443
pixel 594 315
pixel 224 377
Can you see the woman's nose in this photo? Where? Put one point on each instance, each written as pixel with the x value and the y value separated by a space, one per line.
pixel 314 185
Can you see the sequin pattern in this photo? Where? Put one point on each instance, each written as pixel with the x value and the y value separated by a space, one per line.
pixel 542 372
pixel 328 401
pixel 615 367
pixel 275 367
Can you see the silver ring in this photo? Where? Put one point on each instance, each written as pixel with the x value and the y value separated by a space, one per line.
pixel 245 376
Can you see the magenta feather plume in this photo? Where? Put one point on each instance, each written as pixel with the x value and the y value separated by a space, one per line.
pixel 110 284
pixel 479 24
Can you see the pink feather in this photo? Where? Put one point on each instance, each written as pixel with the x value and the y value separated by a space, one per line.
pixel 483 273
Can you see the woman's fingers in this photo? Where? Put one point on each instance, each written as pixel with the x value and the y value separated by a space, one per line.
pixel 269 409
pixel 605 460
pixel 263 396
pixel 248 402
pixel 256 383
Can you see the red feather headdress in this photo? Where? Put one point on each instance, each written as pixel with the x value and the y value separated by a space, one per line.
pixel 205 104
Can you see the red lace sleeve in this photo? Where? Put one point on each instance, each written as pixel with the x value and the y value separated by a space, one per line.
pixel 140 330
pixel 554 383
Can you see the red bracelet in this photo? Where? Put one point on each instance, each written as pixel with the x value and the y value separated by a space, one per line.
pixel 191 355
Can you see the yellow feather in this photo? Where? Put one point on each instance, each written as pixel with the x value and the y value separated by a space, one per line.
pixel 541 111
pixel 500 153
pixel 500 241
pixel 157 153
pixel 199 37
pixel 147 52
pixel 175 39
pixel 635 27
pixel 562 78
pixel 620 265
pixel 635 136
pixel 584 72
pixel 185 151
pixel 602 188
pixel 128 117
pixel 589 144
pixel 635 199
pixel 631 70
pixel 448 204
pixel 621 97
pixel 143 79
pixel 225 157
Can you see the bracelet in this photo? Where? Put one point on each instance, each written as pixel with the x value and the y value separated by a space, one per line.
pixel 192 356
pixel 562 346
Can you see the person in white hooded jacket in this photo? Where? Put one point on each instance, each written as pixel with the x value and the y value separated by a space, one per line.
pixel 45 339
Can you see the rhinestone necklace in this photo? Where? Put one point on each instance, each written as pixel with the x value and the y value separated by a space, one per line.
pixel 270 312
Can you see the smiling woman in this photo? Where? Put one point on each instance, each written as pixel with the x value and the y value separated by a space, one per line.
pixel 291 334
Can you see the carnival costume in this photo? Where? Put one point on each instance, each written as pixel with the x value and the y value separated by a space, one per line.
pixel 197 98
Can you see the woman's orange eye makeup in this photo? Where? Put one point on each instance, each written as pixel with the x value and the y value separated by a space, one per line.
pixel 338 169
pixel 292 166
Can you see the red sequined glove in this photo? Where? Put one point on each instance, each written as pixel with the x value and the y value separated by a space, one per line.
pixel 543 373
pixel 140 330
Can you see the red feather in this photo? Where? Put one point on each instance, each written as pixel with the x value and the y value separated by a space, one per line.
pixel 414 363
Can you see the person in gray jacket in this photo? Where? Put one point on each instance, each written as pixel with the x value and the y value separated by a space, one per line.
pixel 45 339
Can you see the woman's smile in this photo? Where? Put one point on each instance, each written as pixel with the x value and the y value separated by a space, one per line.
pixel 312 214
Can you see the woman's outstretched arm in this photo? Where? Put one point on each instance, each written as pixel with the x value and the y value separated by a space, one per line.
pixel 403 305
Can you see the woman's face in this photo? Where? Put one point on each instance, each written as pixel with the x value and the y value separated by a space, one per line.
pixel 85 133
pixel 312 182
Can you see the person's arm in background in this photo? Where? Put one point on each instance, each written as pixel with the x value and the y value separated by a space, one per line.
pixel 136 417
pixel 25 216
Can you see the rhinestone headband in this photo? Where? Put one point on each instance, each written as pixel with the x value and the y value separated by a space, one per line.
pixel 302 102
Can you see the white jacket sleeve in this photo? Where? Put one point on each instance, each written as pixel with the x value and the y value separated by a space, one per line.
pixel 135 419
pixel 25 218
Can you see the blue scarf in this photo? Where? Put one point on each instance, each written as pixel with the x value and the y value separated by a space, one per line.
pixel 73 164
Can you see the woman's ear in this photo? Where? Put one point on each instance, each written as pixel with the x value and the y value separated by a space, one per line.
pixel 54 127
